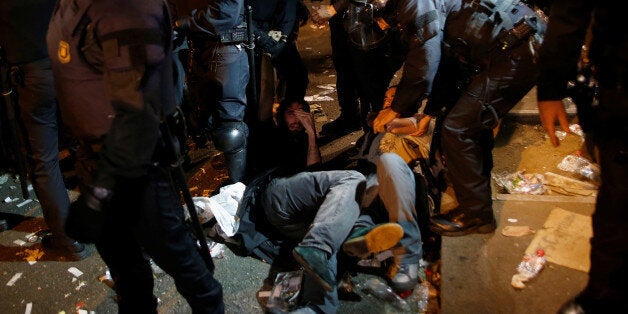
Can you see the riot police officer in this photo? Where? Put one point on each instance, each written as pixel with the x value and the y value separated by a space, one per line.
pixel 603 117
pixel 22 36
pixel 346 75
pixel 219 73
pixel 112 63
pixel 279 18
pixel 483 52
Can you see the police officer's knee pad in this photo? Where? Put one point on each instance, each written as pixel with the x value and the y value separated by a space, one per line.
pixel 230 137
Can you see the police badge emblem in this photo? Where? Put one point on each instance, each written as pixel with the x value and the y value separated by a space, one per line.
pixel 63 53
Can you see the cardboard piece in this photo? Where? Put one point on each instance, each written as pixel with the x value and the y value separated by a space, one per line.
pixel 565 239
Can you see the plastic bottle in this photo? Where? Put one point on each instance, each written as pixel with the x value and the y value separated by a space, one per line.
pixel 382 291
pixel 529 267
pixel 422 293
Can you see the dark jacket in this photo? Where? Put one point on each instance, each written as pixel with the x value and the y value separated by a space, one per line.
pixel 23 26
pixel 212 17
pixel 113 75
pixel 563 42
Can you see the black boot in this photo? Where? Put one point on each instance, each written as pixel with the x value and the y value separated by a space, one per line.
pixel 236 165
pixel 341 126
pixel 459 222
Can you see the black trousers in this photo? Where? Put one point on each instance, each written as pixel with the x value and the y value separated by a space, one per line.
pixel 147 220
pixel 467 140
pixel 606 289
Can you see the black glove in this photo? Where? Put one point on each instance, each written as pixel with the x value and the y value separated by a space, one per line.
pixel 268 44
pixel 180 30
pixel 86 217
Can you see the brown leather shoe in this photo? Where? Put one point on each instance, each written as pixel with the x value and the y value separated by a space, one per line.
pixel 459 222
pixel 364 241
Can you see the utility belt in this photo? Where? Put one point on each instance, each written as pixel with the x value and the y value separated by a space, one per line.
pixel 233 36
pixel 484 27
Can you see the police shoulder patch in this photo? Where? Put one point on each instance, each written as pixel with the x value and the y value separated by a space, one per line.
pixel 63 53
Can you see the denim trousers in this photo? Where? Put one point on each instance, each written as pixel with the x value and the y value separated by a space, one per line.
pixel 391 196
pixel 146 219
pixel 38 112
pixel 319 209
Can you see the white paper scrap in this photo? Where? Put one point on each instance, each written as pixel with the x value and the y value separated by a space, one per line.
pixel 31 237
pixel 24 202
pixel 80 285
pixel 29 308
pixel 14 279
pixel 19 242
pixel 75 271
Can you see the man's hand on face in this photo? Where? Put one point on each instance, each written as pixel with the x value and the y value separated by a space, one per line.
pixel 307 120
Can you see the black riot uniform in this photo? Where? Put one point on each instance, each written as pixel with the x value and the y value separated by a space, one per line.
pixel 281 16
pixel 346 77
pixel 483 52
pixel 219 73
pixel 605 121
pixel 112 62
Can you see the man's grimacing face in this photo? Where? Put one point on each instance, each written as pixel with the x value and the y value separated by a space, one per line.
pixel 292 121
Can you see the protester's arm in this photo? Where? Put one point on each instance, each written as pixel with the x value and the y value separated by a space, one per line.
pixel 313 151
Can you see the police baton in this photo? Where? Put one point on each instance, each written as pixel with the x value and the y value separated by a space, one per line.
pixel 179 176
pixel 8 96
pixel 250 52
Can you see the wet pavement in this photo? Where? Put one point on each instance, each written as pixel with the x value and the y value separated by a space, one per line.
pixel 473 275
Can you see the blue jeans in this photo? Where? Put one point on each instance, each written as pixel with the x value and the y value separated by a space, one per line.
pixel 391 190
pixel 146 217
pixel 318 209
pixel 38 112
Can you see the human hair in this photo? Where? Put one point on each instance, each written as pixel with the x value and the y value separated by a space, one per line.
pixel 283 107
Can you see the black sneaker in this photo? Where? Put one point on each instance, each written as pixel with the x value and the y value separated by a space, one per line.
pixel 364 241
pixel 315 263
pixel 74 252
